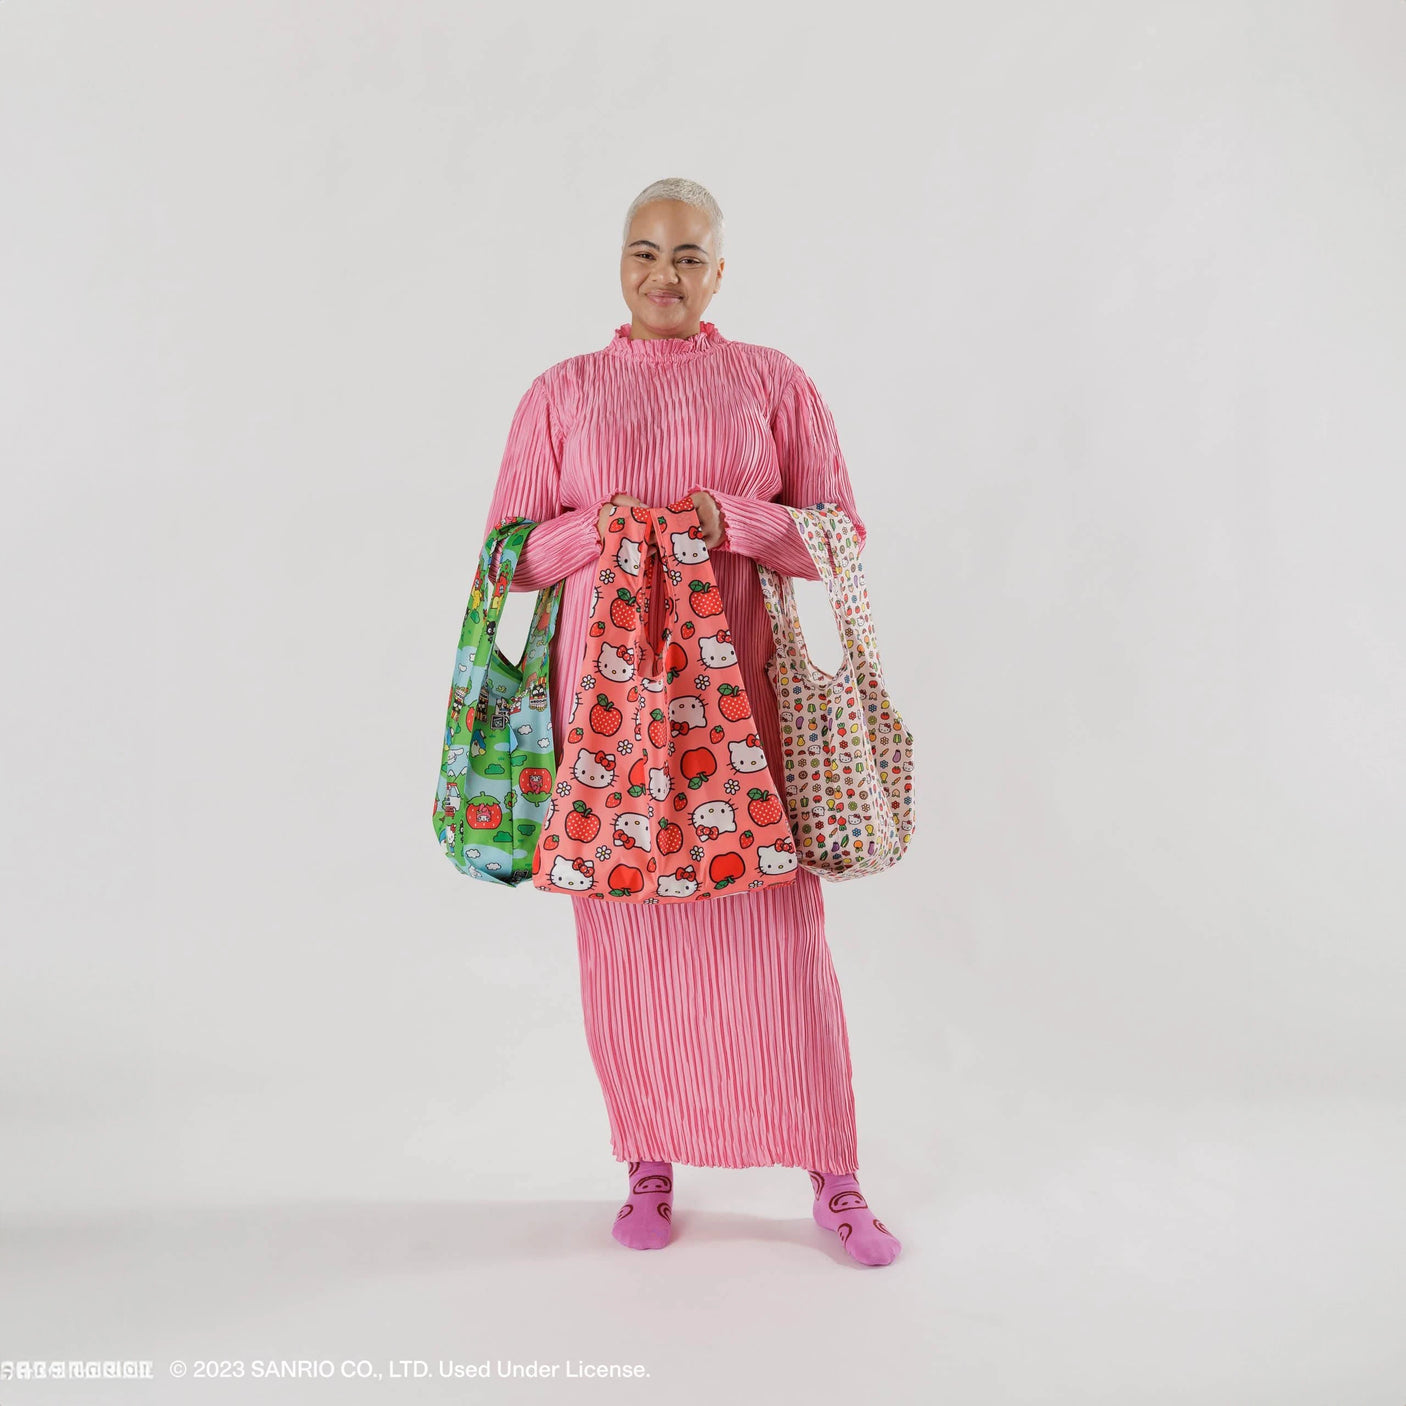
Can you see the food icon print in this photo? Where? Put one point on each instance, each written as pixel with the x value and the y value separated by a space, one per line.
pixel 664 794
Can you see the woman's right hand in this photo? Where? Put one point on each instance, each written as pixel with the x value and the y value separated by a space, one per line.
pixel 611 509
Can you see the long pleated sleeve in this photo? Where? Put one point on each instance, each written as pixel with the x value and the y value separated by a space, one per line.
pixel 529 485
pixel 813 471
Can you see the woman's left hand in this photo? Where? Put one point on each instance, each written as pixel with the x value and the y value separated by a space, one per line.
pixel 710 518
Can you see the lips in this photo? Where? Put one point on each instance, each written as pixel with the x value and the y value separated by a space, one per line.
pixel 664 298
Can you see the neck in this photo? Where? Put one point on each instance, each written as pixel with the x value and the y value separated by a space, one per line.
pixel 639 331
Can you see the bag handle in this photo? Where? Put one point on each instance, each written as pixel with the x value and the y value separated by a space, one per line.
pixel 670 520
pixel 654 551
pixel 779 593
pixel 487 600
pixel 651 556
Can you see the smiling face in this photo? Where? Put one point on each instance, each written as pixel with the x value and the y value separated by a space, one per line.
pixel 667 271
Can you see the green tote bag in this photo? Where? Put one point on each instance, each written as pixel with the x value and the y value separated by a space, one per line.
pixel 499 760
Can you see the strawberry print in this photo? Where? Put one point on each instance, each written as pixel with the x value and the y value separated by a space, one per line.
pixel 666 751
pixel 732 703
pixel 705 598
pixel 763 806
pixel 494 794
pixel 658 728
pixel 606 718
pixel 849 758
pixel 582 823
pixel 623 612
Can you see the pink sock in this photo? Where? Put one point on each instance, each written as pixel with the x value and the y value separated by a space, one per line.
pixel 643 1222
pixel 840 1206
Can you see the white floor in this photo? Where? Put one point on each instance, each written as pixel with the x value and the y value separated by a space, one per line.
pixel 1216 1257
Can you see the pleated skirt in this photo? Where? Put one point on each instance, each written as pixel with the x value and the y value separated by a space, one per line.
pixel 717 1029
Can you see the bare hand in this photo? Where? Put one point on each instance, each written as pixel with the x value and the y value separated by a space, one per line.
pixel 710 518
pixel 612 509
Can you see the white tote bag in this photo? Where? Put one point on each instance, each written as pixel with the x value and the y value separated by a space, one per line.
pixel 847 755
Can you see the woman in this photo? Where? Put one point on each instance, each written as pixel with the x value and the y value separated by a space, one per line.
pixel 716 1029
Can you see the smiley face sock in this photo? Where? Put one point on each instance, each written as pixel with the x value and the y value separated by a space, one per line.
pixel 644 1221
pixel 840 1206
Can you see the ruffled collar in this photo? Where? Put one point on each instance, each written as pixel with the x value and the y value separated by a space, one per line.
pixel 664 348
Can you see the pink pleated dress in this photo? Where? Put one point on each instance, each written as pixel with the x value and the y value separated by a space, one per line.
pixel 716 1028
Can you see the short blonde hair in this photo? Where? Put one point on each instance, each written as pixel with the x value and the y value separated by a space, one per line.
pixel 690 193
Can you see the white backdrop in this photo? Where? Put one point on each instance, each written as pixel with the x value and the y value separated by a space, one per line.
pixel 1108 302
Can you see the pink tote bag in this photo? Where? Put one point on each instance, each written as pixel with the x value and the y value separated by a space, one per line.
pixel 663 794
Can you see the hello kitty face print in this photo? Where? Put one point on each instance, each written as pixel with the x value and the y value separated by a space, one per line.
pixel 664 795
pixel 849 768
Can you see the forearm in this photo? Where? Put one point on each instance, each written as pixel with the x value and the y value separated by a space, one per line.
pixel 556 548
pixel 766 532
pixel 529 486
